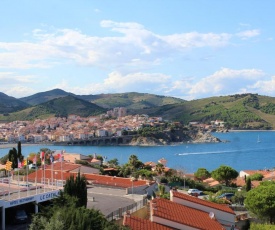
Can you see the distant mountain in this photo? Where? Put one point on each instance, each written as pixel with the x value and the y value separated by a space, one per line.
pixel 42 97
pixel 10 104
pixel 128 100
pixel 62 107
pixel 241 111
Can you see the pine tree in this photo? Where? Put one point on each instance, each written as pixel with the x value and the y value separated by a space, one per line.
pixel 248 184
pixel 77 187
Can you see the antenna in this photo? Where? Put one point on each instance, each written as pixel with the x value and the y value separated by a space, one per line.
pixel 211 215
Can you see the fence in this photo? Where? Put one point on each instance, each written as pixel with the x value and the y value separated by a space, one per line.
pixel 118 214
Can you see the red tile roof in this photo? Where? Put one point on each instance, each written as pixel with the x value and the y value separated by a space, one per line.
pixel 221 207
pixel 183 215
pixel 135 223
pixel 67 169
pixel 114 181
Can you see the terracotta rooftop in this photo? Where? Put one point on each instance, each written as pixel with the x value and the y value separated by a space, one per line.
pixel 135 223
pixel 221 207
pixel 114 181
pixel 183 215
pixel 64 166
pixel 252 172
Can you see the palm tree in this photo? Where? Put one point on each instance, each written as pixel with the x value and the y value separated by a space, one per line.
pixel 159 168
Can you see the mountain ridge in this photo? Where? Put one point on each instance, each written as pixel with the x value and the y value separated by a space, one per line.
pixel 240 111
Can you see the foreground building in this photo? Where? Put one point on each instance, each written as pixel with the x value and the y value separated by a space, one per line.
pixel 183 212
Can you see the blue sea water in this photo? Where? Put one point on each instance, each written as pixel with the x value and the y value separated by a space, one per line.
pixel 242 151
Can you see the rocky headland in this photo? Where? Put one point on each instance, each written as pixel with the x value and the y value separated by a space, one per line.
pixel 194 136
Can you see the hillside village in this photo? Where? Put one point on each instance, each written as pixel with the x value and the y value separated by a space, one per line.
pixel 60 129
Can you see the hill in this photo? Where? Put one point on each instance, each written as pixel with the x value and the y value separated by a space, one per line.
pixel 131 100
pixel 128 100
pixel 10 104
pixel 42 97
pixel 241 111
pixel 62 107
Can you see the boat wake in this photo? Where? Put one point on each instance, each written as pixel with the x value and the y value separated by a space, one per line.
pixel 212 152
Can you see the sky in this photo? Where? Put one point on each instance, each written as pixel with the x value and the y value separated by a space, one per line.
pixel 186 49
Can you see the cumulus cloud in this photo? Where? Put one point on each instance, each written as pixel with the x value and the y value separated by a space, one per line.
pixel 133 42
pixel 265 87
pixel 116 82
pixel 17 85
pixel 248 34
pixel 226 81
pixel 222 82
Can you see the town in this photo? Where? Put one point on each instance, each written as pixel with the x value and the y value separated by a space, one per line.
pixel 114 123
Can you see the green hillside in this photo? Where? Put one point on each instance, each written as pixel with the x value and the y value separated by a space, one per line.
pixel 239 111
pixel 10 104
pixel 57 107
pixel 128 100
pixel 42 97
pixel 132 100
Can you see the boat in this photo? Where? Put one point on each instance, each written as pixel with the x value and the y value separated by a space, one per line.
pixel 258 141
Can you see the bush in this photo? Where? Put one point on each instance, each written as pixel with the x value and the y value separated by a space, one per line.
pixel 257 177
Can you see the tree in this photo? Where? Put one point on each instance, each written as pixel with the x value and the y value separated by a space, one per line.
pixel 77 187
pixel 224 174
pixel 202 174
pixel 113 162
pixel 248 184
pixel 19 151
pixel 13 157
pixel 159 168
pixel 256 176
pixel 66 215
pixel 261 201
pixel 135 162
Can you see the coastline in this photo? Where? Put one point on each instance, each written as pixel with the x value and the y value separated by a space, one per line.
pixel 14 145
pixel 244 130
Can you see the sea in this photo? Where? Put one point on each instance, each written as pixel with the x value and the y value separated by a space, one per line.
pixel 242 150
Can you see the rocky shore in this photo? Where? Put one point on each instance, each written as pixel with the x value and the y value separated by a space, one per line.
pixel 193 137
pixel 164 139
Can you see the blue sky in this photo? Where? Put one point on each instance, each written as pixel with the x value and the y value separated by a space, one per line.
pixel 187 49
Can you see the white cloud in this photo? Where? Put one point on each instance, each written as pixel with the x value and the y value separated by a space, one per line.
pixel 226 81
pixel 222 82
pixel 248 34
pixel 17 85
pixel 133 42
pixel 136 82
pixel 265 87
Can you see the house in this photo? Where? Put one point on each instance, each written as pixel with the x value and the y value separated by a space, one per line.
pixel 136 223
pixel 166 214
pixel 223 213
pixel 72 157
pixel 131 185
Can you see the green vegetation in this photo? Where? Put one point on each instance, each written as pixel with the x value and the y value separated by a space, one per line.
pixel 64 214
pixel 261 201
pixel 76 187
pixel 224 174
pixel 10 104
pixel 202 174
pixel 256 176
pixel 15 155
pixel 240 111
pixel 60 107
pixel 258 226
